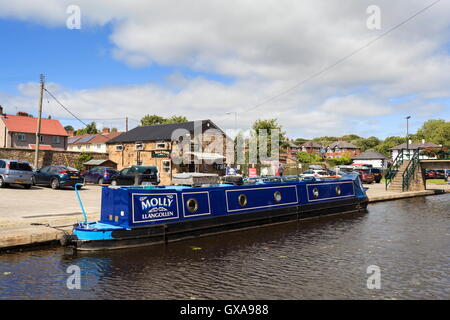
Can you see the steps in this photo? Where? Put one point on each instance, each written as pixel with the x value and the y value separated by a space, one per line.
pixel 397 183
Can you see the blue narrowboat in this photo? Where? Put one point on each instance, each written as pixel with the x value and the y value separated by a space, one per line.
pixel 142 215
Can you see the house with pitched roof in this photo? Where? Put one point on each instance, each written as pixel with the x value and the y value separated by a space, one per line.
pixel 342 148
pixel 373 158
pixel 411 147
pixel 19 131
pixel 311 147
pixel 92 142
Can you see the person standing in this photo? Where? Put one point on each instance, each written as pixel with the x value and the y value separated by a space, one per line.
pixel 280 170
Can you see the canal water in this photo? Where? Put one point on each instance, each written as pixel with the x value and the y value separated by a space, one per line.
pixel 333 257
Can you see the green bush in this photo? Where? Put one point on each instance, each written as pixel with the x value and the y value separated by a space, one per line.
pixel 83 157
pixel 344 160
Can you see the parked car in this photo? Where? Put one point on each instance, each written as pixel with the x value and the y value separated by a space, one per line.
pixel 136 175
pixel 430 174
pixel 99 175
pixel 365 175
pixel 377 173
pixel 15 172
pixel 57 177
pixel 440 174
pixel 315 173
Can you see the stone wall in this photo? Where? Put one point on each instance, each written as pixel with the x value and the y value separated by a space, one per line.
pixel 47 157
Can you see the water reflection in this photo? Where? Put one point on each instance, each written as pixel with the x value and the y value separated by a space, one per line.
pixel 324 258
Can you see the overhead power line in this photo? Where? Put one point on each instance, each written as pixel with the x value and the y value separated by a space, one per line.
pixel 339 61
pixel 65 107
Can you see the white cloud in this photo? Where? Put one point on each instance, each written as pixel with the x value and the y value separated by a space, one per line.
pixel 267 46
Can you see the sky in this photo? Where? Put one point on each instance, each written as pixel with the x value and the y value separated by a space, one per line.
pixel 227 60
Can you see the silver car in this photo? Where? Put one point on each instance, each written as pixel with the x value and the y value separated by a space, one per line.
pixel 15 171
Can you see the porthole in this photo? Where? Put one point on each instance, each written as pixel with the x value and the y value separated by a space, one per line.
pixel 192 205
pixel 242 199
pixel 277 196
pixel 338 190
pixel 316 192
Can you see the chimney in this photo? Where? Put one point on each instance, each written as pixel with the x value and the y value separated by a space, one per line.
pixel 1 110
pixel 423 141
pixel 22 114
pixel 106 130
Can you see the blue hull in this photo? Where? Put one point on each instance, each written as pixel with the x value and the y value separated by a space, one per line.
pixel 133 216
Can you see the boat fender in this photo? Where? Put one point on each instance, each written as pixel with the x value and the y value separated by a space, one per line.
pixel 65 240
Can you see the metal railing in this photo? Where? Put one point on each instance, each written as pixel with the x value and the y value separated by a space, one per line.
pixel 408 174
pixel 392 170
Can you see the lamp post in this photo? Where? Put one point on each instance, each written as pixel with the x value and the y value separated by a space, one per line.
pixel 407 134
pixel 235 119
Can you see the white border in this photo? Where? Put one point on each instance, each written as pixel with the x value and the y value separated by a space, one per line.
pixel 153 194
pixel 336 197
pixel 199 214
pixel 255 189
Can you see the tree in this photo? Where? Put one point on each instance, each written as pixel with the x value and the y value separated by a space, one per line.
pixel 69 128
pixel 176 119
pixel 305 157
pixel 435 131
pixel 300 141
pixel 82 158
pixel 367 144
pixel 91 128
pixel 154 119
pixel 385 146
pixel 268 125
pixel 344 160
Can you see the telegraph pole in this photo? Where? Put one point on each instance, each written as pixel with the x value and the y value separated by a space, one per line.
pixel 126 124
pixel 38 129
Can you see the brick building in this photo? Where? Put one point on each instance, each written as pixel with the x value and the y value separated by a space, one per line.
pixel 154 145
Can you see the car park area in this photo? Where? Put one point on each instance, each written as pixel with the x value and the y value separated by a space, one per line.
pixel 39 204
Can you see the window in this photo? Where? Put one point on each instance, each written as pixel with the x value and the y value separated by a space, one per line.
pixel 2 164
pixel 161 145
pixel 139 146
pixel 41 138
pixel 21 166
pixel 88 146
pixel 166 166
pixel 21 137
pixel 56 139
pixel 99 146
pixel 119 147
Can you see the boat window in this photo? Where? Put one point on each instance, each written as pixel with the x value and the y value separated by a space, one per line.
pixel 277 196
pixel 316 192
pixel 338 190
pixel 192 205
pixel 242 199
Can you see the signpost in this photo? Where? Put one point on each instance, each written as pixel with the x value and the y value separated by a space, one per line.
pixel 252 172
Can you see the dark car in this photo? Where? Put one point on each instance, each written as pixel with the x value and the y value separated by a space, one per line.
pixel 99 175
pixel 57 177
pixel 366 175
pixel 136 175
pixel 377 174
pixel 440 174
